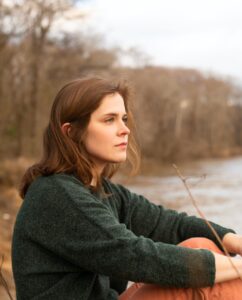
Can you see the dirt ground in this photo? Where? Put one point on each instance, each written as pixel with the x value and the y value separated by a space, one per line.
pixel 9 204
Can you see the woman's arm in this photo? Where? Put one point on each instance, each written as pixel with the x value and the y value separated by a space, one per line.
pixel 161 224
pixel 224 269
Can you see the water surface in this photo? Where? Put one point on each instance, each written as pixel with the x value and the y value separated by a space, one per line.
pixel 215 184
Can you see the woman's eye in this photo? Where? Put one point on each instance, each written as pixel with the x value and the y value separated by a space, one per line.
pixel 109 120
pixel 125 119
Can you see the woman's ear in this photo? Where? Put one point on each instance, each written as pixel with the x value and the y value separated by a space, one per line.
pixel 66 128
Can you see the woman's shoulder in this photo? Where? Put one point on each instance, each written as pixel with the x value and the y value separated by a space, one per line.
pixel 55 183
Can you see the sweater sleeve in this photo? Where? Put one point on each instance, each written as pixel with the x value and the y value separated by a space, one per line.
pixel 68 221
pixel 160 224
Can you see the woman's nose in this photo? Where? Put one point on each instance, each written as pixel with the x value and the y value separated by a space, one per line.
pixel 124 130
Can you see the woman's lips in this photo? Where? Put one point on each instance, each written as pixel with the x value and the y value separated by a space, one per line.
pixel 122 144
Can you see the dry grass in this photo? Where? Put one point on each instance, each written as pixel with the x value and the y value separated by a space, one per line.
pixel 9 204
pixel 11 172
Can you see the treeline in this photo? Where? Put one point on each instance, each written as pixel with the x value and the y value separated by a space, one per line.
pixel 36 58
pixel 184 114
pixel 180 113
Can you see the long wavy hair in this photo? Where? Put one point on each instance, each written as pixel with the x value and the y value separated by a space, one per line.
pixel 66 153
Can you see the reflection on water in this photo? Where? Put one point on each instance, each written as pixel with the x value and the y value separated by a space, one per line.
pixel 218 195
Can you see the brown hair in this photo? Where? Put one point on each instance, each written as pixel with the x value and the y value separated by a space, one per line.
pixel 65 153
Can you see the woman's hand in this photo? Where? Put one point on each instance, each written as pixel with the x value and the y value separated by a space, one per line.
pixel 233 243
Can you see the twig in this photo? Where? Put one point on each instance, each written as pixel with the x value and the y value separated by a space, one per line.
pixel 184 180
pixel 3 282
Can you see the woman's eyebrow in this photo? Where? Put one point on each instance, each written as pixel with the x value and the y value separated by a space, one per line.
pixel 114 114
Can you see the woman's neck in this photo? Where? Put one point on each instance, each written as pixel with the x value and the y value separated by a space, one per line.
pixel 97 172
pixel 93 182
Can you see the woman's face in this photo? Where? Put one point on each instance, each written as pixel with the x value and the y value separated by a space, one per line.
pixel 106 131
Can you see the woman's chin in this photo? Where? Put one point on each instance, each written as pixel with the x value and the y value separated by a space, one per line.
pixel 119 160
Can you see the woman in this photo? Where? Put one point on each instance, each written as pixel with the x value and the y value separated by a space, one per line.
pixel 80 236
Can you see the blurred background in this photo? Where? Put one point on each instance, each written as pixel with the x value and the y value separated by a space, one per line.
pixel 183 59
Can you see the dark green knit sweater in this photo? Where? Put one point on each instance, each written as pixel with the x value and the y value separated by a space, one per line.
pixel 71 244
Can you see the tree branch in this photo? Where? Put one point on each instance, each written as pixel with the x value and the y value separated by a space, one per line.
pixel 184 181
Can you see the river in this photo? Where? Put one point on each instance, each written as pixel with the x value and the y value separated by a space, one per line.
pixel 216 186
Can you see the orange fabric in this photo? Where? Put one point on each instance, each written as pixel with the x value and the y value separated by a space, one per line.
pixel 229 290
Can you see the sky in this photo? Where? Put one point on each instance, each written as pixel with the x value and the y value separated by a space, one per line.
pixel 205 34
